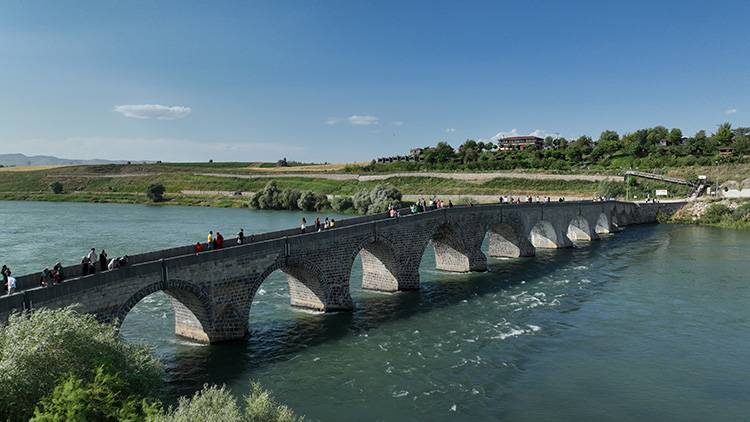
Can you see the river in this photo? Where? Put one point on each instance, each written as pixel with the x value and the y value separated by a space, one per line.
pixel 651 323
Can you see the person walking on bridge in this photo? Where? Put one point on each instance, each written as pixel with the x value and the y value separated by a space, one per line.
pixel 5 271
pixel 210 240
pixel 103 260
pixel 219 240
pixel 303 225
pixel 241 237
pixel 11 285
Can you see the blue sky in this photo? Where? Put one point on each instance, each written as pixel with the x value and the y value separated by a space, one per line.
pixel 351 80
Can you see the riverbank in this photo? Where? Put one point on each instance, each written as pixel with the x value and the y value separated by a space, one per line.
pixel 218 187
pixel 727 213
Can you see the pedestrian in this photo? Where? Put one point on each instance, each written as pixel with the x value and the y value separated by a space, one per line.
pixel 317 224
pixel 333 223
pixel 5 271
pixel 92 256
pixel 210 240
pixel 326 224
pixel 85 263
pixel 241 236
pixel 198 247
pixel 113 264
pixel 58 274
pixel 450 204
pixel 46 278
pixel 11 285
pixel 303 225
pixel 219 240
pixel 103 260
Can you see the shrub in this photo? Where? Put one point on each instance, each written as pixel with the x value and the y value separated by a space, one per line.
pixel 742 213
pixel 155 192
pixel 270 196
pixel 342 203
pixel 611 189
pixel 321 202
pixel 307 201
pixel 217 404
pixel 288 199
pixel 715 213
pixel 46 347
pixel 97 400
pixel 376 200
pixel 56 188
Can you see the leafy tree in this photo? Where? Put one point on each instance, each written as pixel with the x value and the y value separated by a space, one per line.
pixel 724 134
pixel 715 213
pixel 321 202
pixel 46 347
pixel 270 196
pixel 342 203
pixel 155 192
pixel 288 199
pixel 214 403
pixel 100 399
pixel 469 151
pixel 307 201
pixel 675 137
pixel 56 188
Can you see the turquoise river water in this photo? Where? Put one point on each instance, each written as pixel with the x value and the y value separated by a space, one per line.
pixel 652 323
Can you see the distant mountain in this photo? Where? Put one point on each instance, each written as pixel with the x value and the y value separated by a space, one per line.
pixel 20 160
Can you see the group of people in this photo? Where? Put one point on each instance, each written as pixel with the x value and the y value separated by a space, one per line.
pixel 54 276
pixel 505 199
pixel 217 241
pixel 9 282
pixel 319 225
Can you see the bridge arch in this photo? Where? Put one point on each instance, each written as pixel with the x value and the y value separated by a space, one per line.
pixel 380 267
pixel 602 224
pixel 544 236
pixel 305 281
pixel 579 229
pixel 459 249
pixel 504 240
pixel 192 308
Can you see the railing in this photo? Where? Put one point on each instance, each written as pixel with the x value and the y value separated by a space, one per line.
pixel 668 179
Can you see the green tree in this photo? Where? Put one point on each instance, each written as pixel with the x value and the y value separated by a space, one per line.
pixel 100 399
pixel 56 188
pixel 307 201
pixel 342 203
pixel 675 137
pixel 42 349
pixel 469 151
pixel 288 199
pixel 724 134
pixel 155 192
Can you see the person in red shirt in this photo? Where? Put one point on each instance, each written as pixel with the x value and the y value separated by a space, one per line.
pixel 219 240
pixel 198 247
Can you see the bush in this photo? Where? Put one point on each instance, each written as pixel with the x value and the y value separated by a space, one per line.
pixel 217 404
pixel 42 349
pixel 56 188
pixel 307 201
pixel 97 400
pixel 715 213
pixel 155 192
pixel 611 189
pixel 342 203
pixel 288 199
pixel 321 202
pixel 742 213
pixel 379 199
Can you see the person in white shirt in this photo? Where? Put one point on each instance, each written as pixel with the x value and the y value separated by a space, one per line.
pixel 11 285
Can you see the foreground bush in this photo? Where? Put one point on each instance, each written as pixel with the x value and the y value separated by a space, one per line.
pixel 47 347
pixel 217 404
pixel 101 399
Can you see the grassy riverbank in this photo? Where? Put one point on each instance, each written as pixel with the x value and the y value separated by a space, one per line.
pixel 231 185
pixel 729 214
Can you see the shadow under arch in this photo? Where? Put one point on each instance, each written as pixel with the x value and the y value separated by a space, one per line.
pixel 192 309
pixel 580 229
pixel 381 270
pixel 306 287
pixel 504 240
pixel 453 253
pixel 544 235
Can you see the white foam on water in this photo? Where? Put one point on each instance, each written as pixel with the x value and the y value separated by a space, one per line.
pixel 261 292
pixel 316 359
pixel 453 408
pixel 534 328
pixel 400 393
pixel 580 267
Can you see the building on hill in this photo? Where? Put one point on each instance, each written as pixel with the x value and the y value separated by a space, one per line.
pixel 520 143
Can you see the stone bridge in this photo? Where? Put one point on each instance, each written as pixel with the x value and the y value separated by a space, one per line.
pixel 212 292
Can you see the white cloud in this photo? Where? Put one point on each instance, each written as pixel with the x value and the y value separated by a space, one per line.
pixel 731 111
pixel 363 120
pixel 397 123
pixel 153 111
pixel 332 121
pixel 449 130
pixel 499 135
